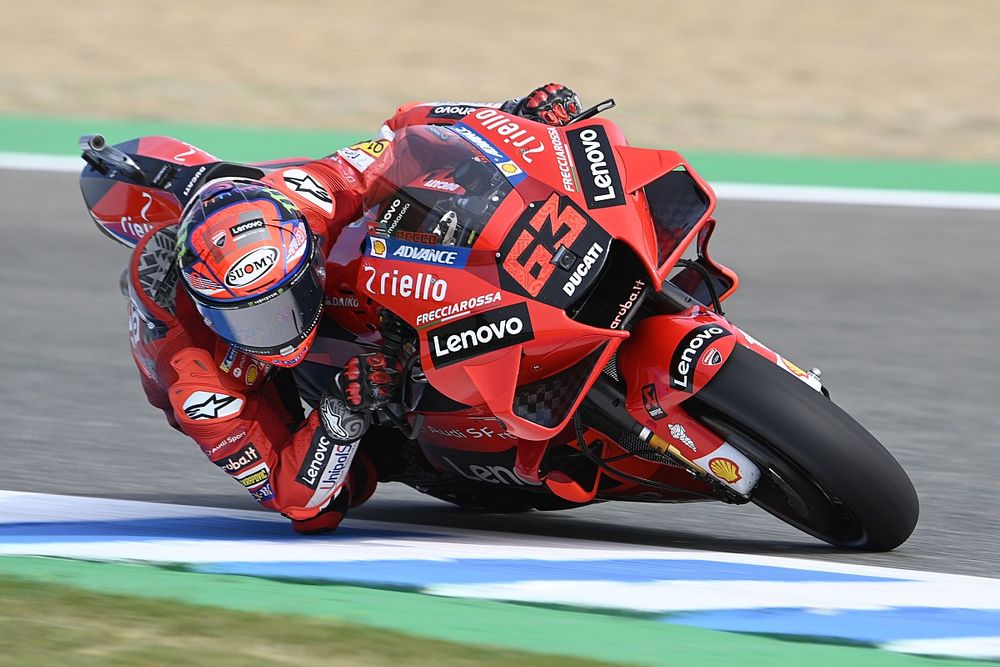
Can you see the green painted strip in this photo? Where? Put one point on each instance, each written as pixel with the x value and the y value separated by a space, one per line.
pixel 22 134
pixel 844 172
pixel 542 630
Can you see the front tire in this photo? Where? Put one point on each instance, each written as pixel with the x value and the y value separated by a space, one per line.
pixel 821 471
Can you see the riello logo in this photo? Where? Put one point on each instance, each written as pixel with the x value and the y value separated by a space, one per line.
pixel 252 267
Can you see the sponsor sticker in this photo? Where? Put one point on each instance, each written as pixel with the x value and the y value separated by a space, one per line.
pixel 712 358
pixel 595 162
pixel 511 171
pixel 460 308
pixel 566 170
pixel 378 247
pixel 623 308
pixel 211 405
pixel 725 469
pixel 420 253
pixel 418 237
pixel 651 402
pixel 315 460
pixel 451 111
pixel 252 267
pixel 263 494
pixel 374 148
pixel 253 221
pixel 678 433
pixel 234 463
pixel 334 474
pixel 254 476
pixel 308 188
pixel 689 351
pixel 227 362
pixel 511 133
pixel 491 474
pixel 421 286
pixel 342 302
pixel 478 334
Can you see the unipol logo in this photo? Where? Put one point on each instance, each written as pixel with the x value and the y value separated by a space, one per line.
pixel 252 267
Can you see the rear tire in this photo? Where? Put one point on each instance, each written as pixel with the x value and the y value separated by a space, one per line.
pixel 821 471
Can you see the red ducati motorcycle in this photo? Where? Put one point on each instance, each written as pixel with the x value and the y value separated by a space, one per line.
pixel 561 320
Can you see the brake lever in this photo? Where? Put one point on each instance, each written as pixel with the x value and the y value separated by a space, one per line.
pixel 600 107
pixel 96 149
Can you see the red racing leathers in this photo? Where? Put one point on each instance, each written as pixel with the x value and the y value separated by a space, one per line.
pixel 234 406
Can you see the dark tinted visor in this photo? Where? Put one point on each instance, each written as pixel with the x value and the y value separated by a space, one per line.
pixel 273 323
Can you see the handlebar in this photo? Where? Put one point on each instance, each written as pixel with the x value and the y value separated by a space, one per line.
pixel 103 158
pixel 594 110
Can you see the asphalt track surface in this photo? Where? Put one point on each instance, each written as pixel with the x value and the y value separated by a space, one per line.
pixel 896 305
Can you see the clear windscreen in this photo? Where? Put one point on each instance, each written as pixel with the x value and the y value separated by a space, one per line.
pixel 435 187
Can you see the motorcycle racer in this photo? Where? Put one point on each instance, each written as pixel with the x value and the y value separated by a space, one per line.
pixel 225 364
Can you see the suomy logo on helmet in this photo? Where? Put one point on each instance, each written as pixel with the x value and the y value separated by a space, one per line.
pixel 252 267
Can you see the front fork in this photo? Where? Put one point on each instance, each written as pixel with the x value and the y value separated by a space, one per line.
pixel 667 360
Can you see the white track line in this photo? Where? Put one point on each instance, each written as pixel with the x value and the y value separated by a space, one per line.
pixel 805 194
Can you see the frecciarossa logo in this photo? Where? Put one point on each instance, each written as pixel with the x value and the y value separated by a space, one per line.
pixel 689 351
pixel 595 162
pixel 478 334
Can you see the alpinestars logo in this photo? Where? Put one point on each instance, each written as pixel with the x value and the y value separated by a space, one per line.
pixel 478 334
pixel 689 351
pixel 308 188
pixel 209 405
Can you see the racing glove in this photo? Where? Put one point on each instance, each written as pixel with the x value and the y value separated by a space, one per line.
pixel 552 104
pixel 370 381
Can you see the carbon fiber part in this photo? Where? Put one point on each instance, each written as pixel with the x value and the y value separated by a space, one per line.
pixel 547 402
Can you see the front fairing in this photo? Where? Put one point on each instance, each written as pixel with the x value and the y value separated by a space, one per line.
pixel 516 251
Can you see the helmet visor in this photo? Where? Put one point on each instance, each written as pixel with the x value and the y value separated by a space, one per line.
pixel 272 323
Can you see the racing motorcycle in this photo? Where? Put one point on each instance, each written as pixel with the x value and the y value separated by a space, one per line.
pixel 561 320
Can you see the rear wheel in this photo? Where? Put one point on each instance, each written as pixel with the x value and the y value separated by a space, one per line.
pixel 821 471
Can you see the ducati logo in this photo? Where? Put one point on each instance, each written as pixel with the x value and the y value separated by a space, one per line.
pixel 712 357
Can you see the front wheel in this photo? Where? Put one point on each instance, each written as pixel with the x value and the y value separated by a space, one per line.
pixel 821 471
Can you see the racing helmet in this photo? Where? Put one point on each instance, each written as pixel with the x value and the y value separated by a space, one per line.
pixel 252 268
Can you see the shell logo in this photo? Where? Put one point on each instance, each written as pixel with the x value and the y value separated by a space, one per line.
pixel 725 469
pixel 793 368
pixel 379 248
pixel 251 375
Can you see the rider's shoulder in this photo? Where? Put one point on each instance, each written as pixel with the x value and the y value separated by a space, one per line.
pixel 152 272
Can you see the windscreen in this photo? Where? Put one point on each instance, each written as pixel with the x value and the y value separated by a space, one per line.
pixel 435 187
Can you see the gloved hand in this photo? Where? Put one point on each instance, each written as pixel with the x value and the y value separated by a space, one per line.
pixel 369 381
pixel 552 104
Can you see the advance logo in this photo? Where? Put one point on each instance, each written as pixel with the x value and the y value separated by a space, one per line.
pixel 595 163
pixel 479 334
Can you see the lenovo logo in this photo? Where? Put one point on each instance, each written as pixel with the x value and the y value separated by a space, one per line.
pixel 478 334
pixel 595 161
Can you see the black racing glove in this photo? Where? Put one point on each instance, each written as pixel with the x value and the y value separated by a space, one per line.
pixel 552 104
pixel 369 381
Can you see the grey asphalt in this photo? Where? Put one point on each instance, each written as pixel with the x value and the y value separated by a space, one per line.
pixel 898 306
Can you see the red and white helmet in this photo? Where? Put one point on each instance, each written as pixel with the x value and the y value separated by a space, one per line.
pixel 253 269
